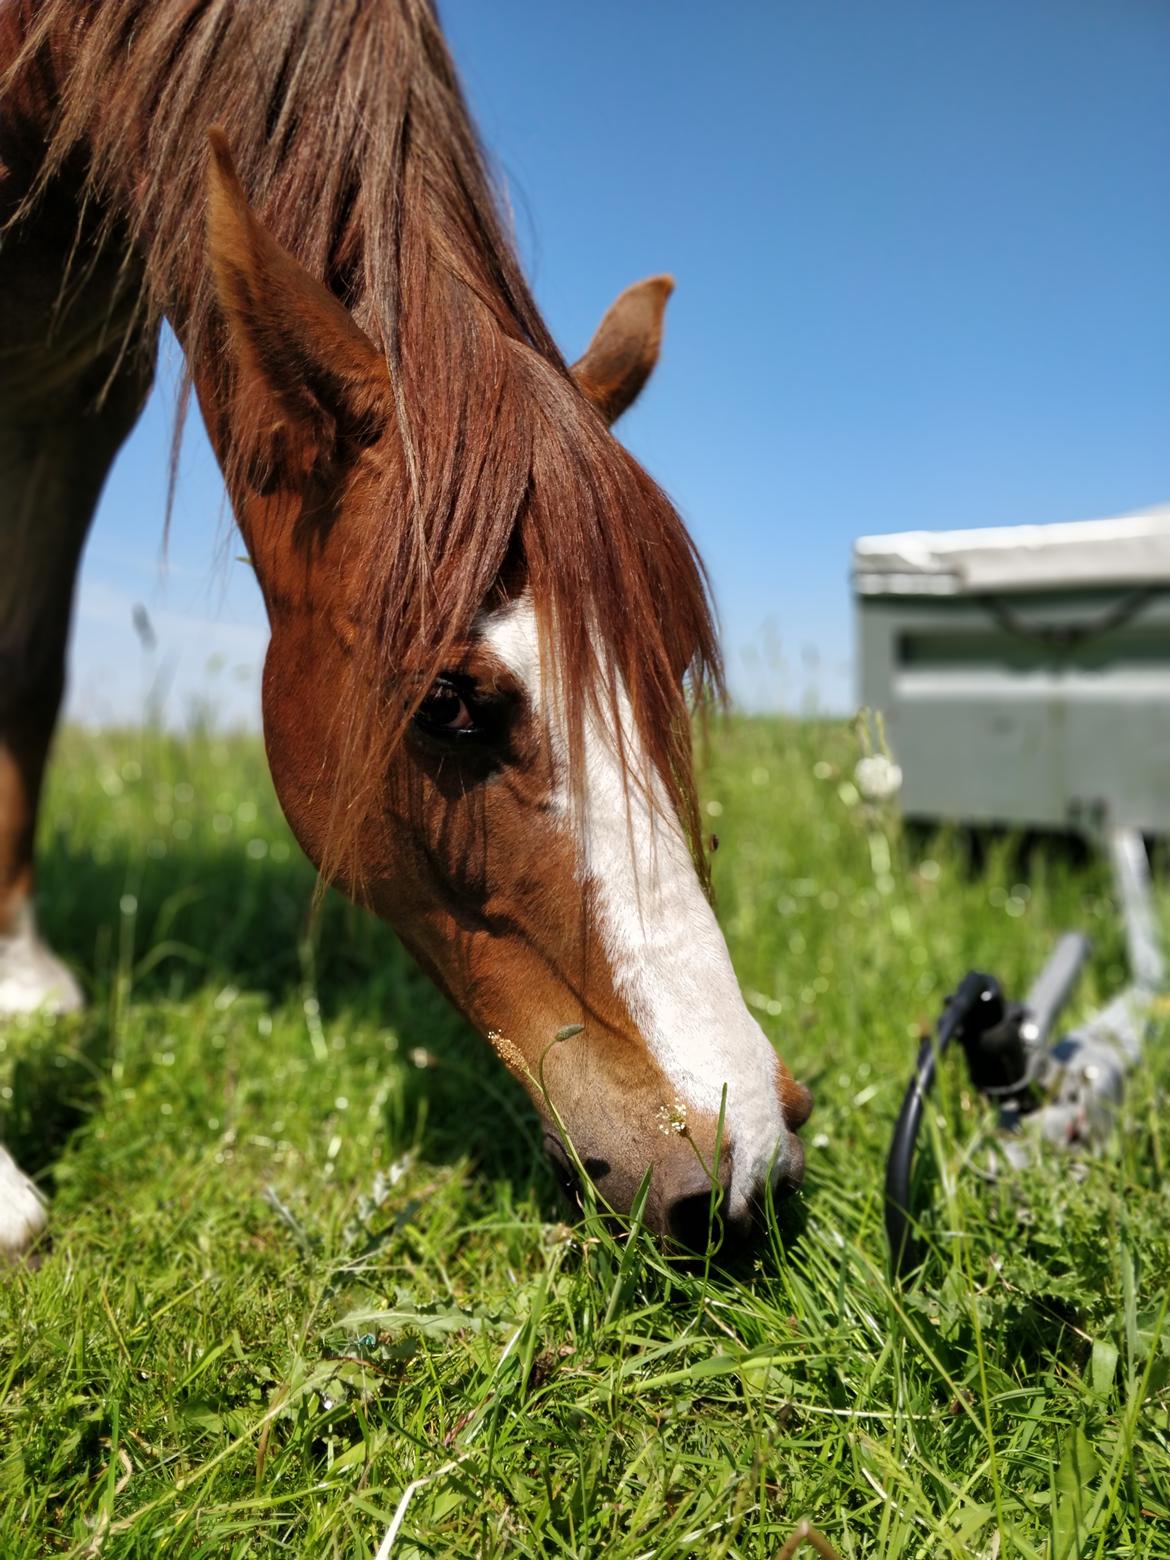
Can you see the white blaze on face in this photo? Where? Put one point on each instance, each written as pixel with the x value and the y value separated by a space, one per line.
pixel 669 959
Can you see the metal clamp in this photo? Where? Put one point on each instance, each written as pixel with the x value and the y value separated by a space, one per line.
pixel 1067 1092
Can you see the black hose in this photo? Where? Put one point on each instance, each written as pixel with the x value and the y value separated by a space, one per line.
pixel 1003 1042
pixel 976 1004
pixel 905 1254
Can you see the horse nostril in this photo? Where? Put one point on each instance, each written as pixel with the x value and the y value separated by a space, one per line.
pixel 793 1173
pixel 688 1221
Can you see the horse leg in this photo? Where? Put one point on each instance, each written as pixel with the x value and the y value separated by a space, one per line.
pixel 55 452
pixel 51 472
pixel 41 535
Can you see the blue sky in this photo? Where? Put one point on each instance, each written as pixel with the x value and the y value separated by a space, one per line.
pixel 921 253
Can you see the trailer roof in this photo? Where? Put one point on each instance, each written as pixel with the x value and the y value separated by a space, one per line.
pixel 1129 550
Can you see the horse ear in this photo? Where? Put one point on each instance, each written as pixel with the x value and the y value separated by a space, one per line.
pixel 295 345
pixel 625 348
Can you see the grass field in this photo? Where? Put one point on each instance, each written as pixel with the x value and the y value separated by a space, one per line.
pixel 310 1287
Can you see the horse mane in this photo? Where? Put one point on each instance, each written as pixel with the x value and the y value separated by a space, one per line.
pixel 352 139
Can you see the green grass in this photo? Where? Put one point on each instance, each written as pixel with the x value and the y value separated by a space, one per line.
pixel 305 1256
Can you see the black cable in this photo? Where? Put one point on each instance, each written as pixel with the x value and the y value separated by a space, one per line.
pixel 904 1249
pixel 972 1010
pixel 1004 1045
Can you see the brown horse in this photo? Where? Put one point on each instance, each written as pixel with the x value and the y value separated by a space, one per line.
pixel 488 624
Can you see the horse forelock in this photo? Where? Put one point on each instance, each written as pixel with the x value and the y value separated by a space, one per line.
pixel 356 150
pixel 523 493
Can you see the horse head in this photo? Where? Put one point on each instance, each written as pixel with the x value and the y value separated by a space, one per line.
pixel 485 618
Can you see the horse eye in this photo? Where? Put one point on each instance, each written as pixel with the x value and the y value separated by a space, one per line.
pixel 445 711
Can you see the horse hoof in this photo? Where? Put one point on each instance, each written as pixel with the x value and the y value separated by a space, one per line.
pixel 23 1214
pixel 33 980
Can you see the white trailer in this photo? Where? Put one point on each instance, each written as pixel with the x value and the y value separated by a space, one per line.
pixel 1023 671
pixel 1023 674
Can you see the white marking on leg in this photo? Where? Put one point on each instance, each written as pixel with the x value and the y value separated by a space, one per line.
pixel 668 955
pixel 31 978
pixel 22 1208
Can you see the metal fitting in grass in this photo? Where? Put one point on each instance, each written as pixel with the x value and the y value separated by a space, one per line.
pixel 1065 1093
